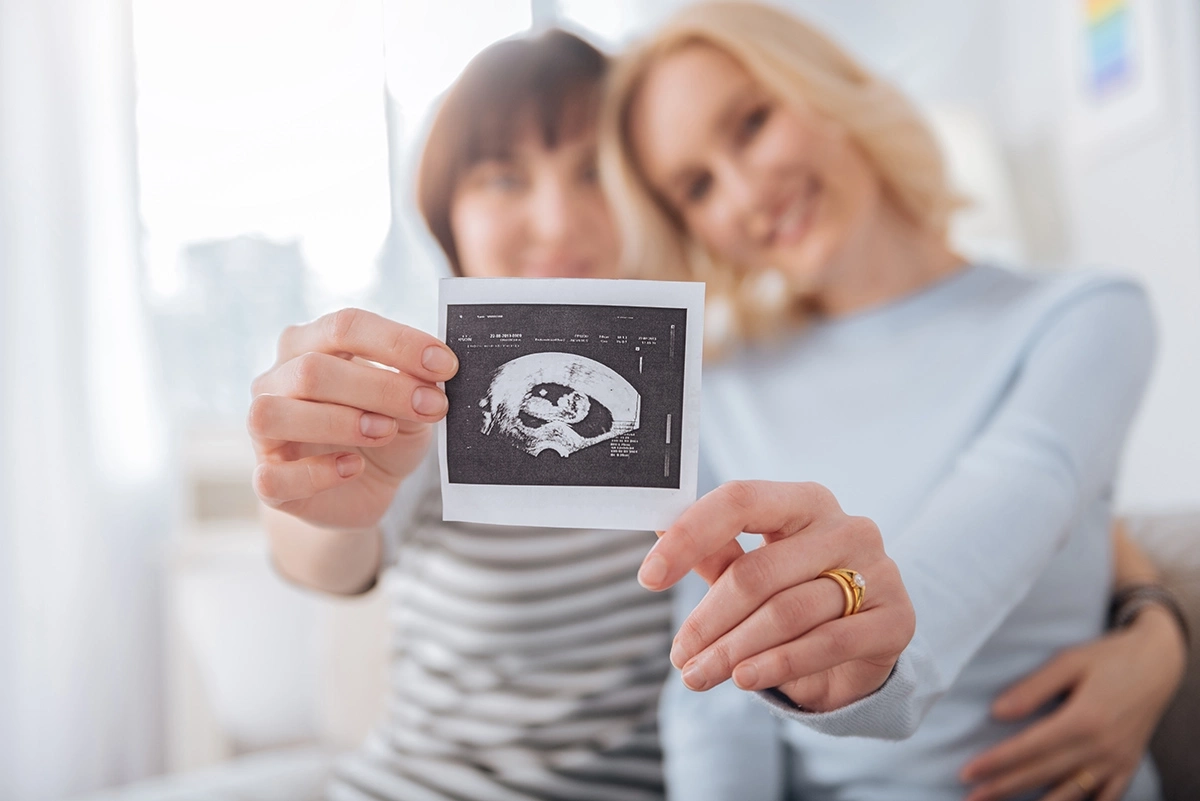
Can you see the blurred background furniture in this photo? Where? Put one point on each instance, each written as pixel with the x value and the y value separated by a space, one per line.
pixel 266 682
pixel 252 661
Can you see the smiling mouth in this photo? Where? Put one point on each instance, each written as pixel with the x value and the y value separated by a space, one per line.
pixel 793 223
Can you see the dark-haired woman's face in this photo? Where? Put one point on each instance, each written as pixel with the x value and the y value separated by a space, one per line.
pixel 759 181
pixel 536 214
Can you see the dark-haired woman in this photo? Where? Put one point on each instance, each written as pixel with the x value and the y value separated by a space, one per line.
pixel 526 663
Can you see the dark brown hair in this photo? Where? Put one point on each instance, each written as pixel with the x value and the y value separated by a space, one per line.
pixel 552 79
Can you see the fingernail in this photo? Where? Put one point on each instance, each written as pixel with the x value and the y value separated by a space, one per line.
pixel 438 359
pixel 676 655
pixel 653 571
pixel 693 674
pixel 427 400
pixel 746 676
pixel 375 425
pixel 348 464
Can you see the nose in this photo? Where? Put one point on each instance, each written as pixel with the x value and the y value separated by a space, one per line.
pixel 744 199
pixel 556 213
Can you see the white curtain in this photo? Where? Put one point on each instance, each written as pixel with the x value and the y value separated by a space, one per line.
pixel 83 506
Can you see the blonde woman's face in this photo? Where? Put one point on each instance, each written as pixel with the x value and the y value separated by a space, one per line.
pixel 537 213
pixel 758 181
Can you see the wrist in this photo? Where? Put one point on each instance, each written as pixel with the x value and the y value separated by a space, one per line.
pixel 1157 621
pixel 1155 632
pixel 336 561
pixel 1130 604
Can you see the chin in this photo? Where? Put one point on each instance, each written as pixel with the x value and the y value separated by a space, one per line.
pixel 809 264
pixel 804 276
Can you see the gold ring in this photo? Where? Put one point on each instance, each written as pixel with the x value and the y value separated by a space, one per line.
pixel 1086 781
pixel 853 585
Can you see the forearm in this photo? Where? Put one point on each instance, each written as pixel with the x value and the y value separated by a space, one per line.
pixel 1134 575
pixel 1131 565
pixel 342 562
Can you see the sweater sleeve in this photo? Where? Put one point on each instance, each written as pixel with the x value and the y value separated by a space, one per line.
pixel 987 532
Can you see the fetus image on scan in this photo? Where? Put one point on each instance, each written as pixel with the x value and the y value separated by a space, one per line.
pixel 558 402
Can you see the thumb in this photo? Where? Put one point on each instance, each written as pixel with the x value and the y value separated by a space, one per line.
pixel 1026 696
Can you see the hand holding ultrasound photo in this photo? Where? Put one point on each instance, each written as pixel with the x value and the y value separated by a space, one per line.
pixel 576 402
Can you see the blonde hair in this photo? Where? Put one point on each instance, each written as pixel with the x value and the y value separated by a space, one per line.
pixel 799 64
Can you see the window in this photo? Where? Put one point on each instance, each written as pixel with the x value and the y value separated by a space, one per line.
pixel 266 179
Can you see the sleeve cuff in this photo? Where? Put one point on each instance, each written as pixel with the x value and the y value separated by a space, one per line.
pixel 892 712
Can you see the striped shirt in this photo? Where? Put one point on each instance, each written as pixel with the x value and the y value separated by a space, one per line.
pixel 526 663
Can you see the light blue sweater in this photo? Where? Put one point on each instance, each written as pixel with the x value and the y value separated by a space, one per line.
pixel 979 423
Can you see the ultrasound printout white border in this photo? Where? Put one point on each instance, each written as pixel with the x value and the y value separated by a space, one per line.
pixel 630 508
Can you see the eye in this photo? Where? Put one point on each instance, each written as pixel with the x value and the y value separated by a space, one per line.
pixel 753 122
pixel 497 175
pixel 589 173
pixel 697 188
pixel 505 179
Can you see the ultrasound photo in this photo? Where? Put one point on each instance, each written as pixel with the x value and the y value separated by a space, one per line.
pixel 555 394
pixel 570 394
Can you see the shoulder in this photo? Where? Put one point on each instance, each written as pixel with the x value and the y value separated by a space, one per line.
pixel 1083 335
pixel 1080 302
pixel 1051 290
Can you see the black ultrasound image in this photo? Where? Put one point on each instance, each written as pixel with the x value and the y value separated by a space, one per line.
pixel 565 395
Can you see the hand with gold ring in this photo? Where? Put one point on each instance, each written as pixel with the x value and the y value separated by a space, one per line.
pixel 818 611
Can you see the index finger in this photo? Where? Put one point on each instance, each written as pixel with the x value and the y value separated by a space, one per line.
pixel 1053 733
pixel 711 567
pixel 361 333
pixel 771 508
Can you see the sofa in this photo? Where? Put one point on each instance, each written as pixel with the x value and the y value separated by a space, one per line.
pixel 1174 543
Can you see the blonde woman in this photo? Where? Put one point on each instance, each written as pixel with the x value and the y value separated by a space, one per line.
pixel 976 415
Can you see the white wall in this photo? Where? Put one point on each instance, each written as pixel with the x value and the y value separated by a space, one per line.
pixel 1133 206
pixel 1140 210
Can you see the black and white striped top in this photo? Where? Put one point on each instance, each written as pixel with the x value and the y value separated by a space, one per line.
pixel 526 663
